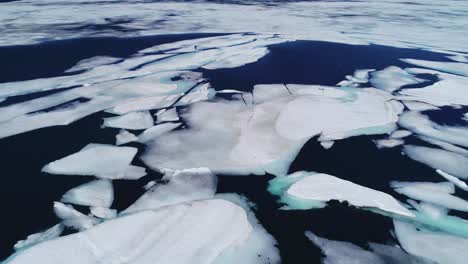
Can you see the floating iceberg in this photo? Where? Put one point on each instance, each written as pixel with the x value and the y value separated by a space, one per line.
pixel 96 193
pixel 306 190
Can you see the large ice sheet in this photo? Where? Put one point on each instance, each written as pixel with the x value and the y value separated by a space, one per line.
pixel 105 161
pixel 196 232
pixel 450 162
pixel 96 193
pixel 177 187
pixel 439 247
pixel 449 67
pixel 305 190
pixel 231 136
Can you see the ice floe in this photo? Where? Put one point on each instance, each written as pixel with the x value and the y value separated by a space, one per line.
pixel 197 232
pixel 400 134
pixel 124 137
pixel 167 115
pixel 439 247
pixel 104 161
pixel 422 125
pixel 449 67
pixel 435 193
pixel 388 143
pixel 305 190
pixel 419 106
pixel 452 163
pixel 36 238
pixel 231 136
pixel 96 193
pixel 72 218
pixel 103 212
pixel 134 121
pixel 392 78
pixel 177 187
pixel 459 183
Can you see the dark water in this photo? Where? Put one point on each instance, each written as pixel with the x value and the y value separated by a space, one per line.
pixel 27 194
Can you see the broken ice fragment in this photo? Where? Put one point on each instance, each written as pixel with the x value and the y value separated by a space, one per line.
pixel 449 67
pixel 392 78
pixel 181 186
pixel 197 232
pixel 388 143
pixel 301 188
pixel 103 212
pixel 125 137
pixel 452 163
pixel 100 160
pixel 439 247
pixel 133 120
pixel 33 239
pixel 96 193
pixel 167 115
pixel 435 193
pixel 73 218
pixel 461 184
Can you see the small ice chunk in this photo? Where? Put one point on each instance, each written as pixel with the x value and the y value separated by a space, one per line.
pixel 401 134
pixel 434 193
pixel 36 238
pixel 320 187
pixel 92 62
pixel 392 78
pixel 260 247
pixel 388 143
pixel 73 218
pixel 100 160
pixel 103 212
pixel 133 120
pixel 95 193
pixel 201 92
pixel 445 145
pixel 327 144
pixel 450 162
pixel 125 137
pixel 439 247
pixel 167 115
pixel 131 173
pixel 422 125
pixel 181 186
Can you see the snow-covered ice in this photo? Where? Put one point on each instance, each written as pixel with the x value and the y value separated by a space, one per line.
pixel 95 193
